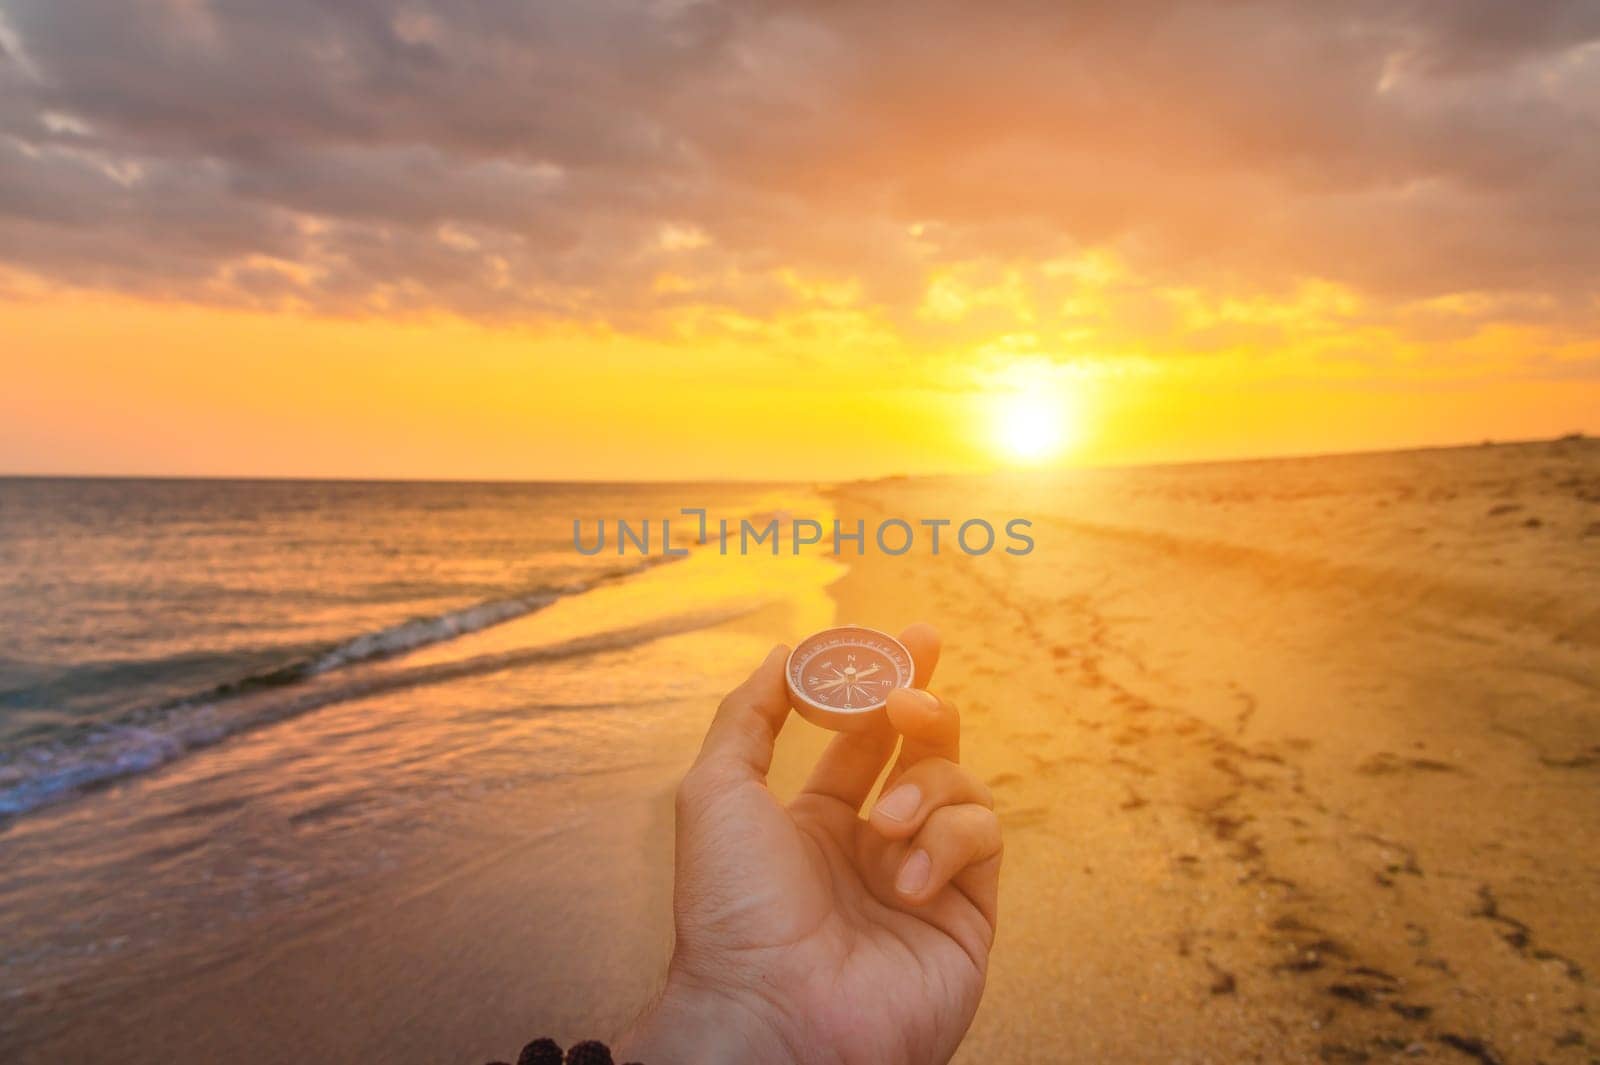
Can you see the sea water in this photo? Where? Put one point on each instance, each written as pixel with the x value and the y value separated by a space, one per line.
pixel 228 706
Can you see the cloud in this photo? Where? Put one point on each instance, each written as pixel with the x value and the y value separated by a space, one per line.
pixel 529 161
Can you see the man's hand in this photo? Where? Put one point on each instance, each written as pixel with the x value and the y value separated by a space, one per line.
pixel 809 934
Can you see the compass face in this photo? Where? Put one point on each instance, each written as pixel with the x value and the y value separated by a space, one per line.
pixel 840 674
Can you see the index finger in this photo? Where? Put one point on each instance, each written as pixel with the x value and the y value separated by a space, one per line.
pixel 850 764
pixel 924 643
pixel 931 727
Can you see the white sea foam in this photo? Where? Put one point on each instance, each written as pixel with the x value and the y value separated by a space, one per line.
pixel 152 736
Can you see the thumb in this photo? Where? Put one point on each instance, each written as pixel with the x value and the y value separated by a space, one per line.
pixel 740 740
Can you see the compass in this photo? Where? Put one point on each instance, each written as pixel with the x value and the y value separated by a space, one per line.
pixel 840 678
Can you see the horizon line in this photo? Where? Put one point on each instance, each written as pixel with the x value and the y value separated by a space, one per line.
pixel 1000 470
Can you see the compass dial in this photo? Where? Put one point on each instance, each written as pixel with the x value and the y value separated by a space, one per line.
pixel 840 678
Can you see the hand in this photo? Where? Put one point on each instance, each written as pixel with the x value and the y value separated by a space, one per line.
pixel 809 934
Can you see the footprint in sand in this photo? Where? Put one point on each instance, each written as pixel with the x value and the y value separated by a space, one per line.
pixel 1385 763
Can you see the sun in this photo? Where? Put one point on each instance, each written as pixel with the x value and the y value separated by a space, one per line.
pixel 1031 428
pixel 1032 409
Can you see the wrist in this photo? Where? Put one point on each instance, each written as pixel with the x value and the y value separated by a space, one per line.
pixel 695 1023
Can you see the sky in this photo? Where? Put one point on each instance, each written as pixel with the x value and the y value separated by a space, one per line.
pixel 680 239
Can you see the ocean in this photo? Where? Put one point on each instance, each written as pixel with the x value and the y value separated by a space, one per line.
pixel 282 694
pixel 147 618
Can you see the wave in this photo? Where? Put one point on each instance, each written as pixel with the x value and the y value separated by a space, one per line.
pixel 419 632
pixel 147 737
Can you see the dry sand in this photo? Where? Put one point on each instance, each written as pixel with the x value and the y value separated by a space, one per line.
pixel 1298 761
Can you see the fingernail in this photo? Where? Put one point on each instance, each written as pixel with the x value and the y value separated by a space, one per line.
pixel 914 873
pixel 901 803
pixel 924 700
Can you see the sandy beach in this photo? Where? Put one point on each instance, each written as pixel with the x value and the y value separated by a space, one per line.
pixel 1297 761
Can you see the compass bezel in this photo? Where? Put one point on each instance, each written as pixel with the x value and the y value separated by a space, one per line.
pixel 838 718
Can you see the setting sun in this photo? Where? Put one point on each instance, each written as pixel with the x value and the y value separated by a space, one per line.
pixel 1031 427
pixel 1034 414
